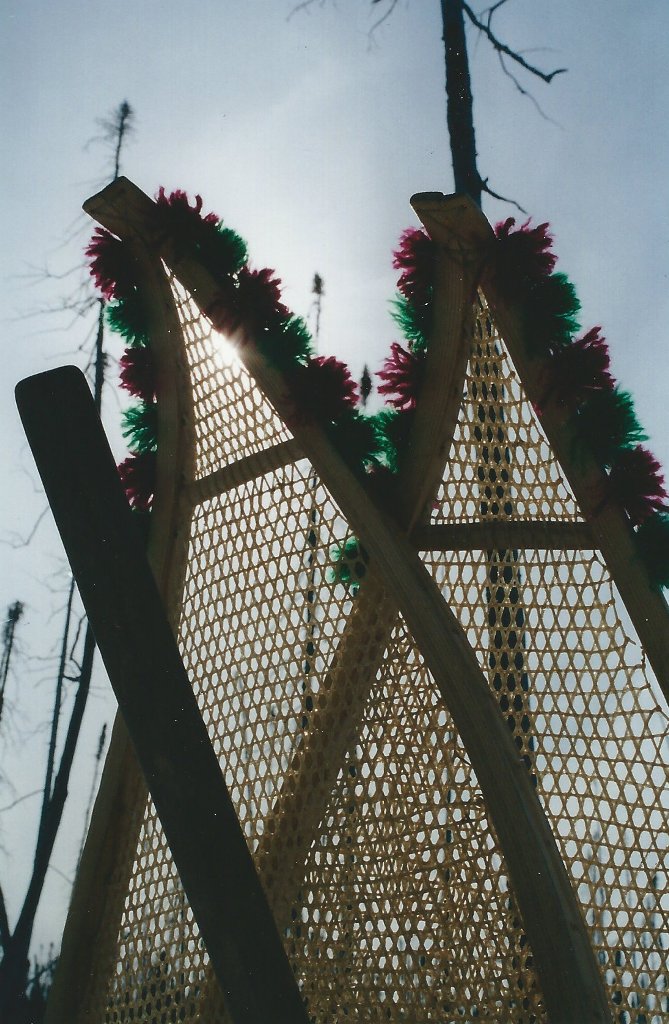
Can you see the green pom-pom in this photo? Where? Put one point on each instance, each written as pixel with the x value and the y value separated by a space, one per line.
pixel 382 424
pixel 222 250
pixel 350 564
pixel 356 439
pixel 652 540
pixel 139 427
pixel 128 317
pixel 287 345
pixel 413 321
pixel 551 312
pixel 608 424
pixel 392 428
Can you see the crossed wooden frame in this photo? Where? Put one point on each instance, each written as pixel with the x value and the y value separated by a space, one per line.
pixel 125 601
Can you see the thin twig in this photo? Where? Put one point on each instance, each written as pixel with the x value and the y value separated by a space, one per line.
pixel 526 92
pixel 24 542
pixel 19 800
pixel 503 199
pixel 489 11
pixel 305 5
pixel 70 881
pixel 37 275
pixel 545 76
pixel 384 17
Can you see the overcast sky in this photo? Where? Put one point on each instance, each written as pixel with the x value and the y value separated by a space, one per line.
pixel 308 136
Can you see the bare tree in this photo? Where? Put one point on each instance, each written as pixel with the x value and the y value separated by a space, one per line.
pixel 14 613
pixel 455 14
pixel 14 967
pixel 459 101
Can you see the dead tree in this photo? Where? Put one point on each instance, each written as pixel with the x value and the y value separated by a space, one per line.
pixel 15 965
pixel 455 15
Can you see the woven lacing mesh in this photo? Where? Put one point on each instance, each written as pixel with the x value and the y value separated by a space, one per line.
pixel 341 757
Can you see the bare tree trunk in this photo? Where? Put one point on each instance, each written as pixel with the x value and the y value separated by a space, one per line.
pixel 459 102
pixel 99 357
pixel 55 718
pixel 14 613
pixel 15 963
pixel 121 126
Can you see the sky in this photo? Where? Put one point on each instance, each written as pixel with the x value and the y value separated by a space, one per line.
pixel 307 131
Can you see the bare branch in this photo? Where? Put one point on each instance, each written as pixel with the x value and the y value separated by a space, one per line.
pixel 377 24
pixel 116 127
pixel 80 623
pixel 5 934
pixel 23 542
pixel 19 800
pixel 489 11
pixel 52 867
pixel 503 199
pixel 545 76
pixel 305 5
pixel 36 275
pixel 526 92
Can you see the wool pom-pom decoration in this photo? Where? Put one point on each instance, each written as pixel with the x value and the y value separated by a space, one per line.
pixel 522 256
pixel 402 376
pixel 580 368
pixel 222 250
pixel 413 321
pixel 350 565
pixel 252 305
pixel 128 317
pixel 138 373
pixel 138 476
pixel 652 540
pixel 551 307
pixel 174 211
pixel 383 423
pixel 636 481
pixel 286 345
pixel 356 440
pixel 393 431
pixel 139 427
pixel 416 258
pixel 607 424
pixel 111 265
pixel 322 389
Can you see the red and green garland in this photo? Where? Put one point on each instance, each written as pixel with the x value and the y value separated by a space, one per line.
pixel 578 372
pixel 323 390
pixel 249 303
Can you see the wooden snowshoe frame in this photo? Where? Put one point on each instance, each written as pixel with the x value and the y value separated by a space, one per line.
pixel 407 808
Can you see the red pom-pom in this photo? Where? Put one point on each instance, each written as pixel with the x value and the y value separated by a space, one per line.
pixel 138 373
pixel 323 389
pixel 636 481
pixel 179 200
pixel 402 377
pixel 175 213
pixel 111 268
pixel 580 368
pixel 252 306
pixel 415 257
pixel 138 476
pixel 522 256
